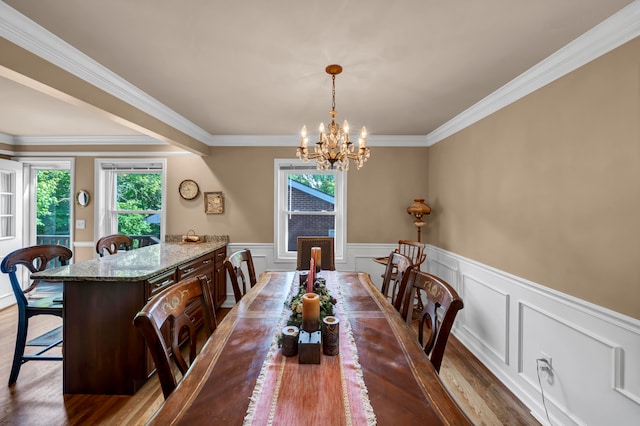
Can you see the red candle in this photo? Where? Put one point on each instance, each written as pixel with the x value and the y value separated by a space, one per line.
pixel 316 255
pixel 311 277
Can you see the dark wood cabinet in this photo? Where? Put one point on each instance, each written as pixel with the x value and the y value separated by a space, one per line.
pixel 103 352
pixel 219 289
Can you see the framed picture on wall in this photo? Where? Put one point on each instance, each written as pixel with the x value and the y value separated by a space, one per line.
pixel 213 203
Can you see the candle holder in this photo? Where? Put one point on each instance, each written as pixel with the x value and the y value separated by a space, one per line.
pixel 303 276
pixel 309 347
pixel 290 340
pixel 331 336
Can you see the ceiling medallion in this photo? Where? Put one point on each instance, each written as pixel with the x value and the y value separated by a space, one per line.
pixel 334 147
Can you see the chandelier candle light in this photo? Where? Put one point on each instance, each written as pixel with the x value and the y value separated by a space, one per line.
pixel 334 146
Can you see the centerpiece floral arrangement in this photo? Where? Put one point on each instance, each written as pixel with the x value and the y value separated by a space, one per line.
pixel 295 304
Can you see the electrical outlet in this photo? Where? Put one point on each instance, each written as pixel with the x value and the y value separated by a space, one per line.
pixel 545 365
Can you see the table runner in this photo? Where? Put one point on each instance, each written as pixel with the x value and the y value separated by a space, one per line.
pixel 283 394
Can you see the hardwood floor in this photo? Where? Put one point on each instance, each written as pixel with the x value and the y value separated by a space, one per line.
pixel 37 399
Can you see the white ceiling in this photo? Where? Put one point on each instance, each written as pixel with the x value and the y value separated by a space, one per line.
pixel 257 67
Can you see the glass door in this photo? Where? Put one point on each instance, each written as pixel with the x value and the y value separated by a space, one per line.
pixel 53 206
pixel 11 207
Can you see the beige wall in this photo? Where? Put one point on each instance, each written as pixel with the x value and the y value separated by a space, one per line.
pixel 548 188
pixel 376 197
pixel 378 194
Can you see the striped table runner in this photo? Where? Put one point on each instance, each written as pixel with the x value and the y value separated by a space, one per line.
pixel 331 393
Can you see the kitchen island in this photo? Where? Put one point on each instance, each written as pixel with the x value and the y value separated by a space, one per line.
pixel 102 351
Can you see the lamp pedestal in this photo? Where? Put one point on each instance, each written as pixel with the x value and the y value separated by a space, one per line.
pixel 419 223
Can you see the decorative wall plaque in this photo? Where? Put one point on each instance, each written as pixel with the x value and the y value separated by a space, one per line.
pixel 213 203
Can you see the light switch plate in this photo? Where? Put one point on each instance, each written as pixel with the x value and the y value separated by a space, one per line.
pixel 80 224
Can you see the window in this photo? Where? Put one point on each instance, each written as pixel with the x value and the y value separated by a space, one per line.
pixel 308 202
pixel 131 199
pixel 7 204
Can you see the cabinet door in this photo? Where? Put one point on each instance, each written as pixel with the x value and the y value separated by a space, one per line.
pixel 219 278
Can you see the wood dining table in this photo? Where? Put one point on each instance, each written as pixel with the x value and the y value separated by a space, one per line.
pixel 399 382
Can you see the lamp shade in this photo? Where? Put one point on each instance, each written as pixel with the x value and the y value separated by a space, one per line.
pixel 418 208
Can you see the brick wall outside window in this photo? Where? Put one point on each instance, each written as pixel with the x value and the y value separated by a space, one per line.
pixel 308 225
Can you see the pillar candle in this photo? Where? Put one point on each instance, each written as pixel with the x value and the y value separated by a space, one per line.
pixel 311 277
pixel 310 312
pixel 316 254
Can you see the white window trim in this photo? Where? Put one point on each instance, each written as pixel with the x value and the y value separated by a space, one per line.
pixel 280 199
pixel 30 165
pixel 100 192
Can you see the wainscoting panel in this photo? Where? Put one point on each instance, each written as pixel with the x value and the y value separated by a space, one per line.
pixel 487 319
pixel 509 322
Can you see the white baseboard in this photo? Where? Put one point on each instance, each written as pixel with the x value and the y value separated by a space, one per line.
pixel 7 300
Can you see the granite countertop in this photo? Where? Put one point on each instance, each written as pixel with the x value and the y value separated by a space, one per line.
pixel 133 265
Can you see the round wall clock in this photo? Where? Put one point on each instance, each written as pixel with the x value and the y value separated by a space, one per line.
pixel 189 189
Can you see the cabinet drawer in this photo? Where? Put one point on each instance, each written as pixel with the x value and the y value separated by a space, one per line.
pixel 200 266
pixel 219 255
pixel 158 283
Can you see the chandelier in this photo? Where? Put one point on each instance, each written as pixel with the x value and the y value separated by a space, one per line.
pixel 334 147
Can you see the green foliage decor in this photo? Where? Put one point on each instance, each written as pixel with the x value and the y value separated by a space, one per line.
pixel 295 304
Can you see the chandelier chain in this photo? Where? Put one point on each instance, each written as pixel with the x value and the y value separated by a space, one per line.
pixel 333 93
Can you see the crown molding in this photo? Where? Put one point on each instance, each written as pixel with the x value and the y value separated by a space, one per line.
pixel 100 154
pixel 85 140
pixel 604 37
pixel 8 139
pixel 294 140
pixel 25 33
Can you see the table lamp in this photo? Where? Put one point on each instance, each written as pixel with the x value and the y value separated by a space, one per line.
pixel 417 209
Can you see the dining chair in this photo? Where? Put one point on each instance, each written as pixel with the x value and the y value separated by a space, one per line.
pixel 35 259
pixel 112 243
pixel 234 266
pixel 397 267
pixel 164 324
pixel 414 250
pixel 438 314
pixel 327 259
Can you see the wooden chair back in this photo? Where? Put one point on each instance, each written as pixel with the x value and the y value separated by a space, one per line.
pixel 166 311
pixel 414 250
pixel 438 313
pixel 397 267
pixel 35 259
pixel 234 265
pixel 326 244
pixel 112 243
